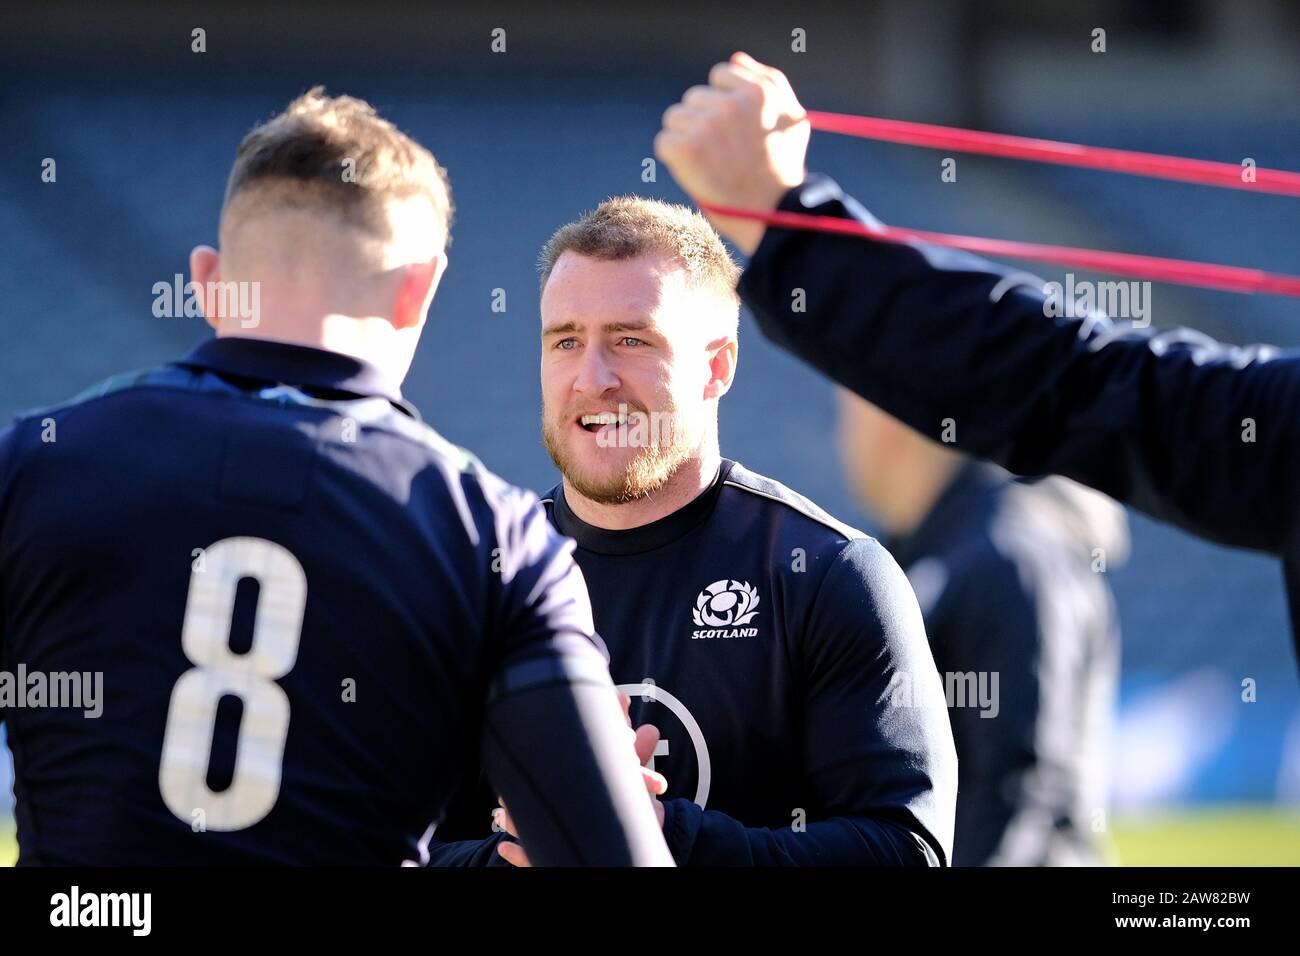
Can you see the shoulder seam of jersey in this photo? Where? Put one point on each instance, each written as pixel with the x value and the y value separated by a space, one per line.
pixel 435 441
pixel 824 520
pixel 420 432
pixel 120 382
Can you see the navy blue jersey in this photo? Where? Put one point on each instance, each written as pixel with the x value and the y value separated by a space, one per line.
pixel 1200 434
pixel 1025 635
pixel 782 655
pixel 305 607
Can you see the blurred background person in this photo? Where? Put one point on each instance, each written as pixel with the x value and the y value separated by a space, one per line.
pixel 1011 581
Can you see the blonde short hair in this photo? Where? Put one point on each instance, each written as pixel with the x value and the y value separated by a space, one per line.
pixel 625 227
pixel 336 153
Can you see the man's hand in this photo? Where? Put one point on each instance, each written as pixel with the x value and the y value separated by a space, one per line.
pixel 646 739
pixel 740 141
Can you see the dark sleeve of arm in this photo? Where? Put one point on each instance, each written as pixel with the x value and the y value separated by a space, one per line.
pixel 878 749
pixel 467 852
pixel 555 744
pixel 1188 430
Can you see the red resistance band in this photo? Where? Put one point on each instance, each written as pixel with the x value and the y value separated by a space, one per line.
pixel 1183 272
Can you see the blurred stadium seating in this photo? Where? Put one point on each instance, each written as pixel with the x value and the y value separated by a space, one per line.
pixel 142 158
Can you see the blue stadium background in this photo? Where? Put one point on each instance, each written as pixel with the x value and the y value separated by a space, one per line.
pixel 143 140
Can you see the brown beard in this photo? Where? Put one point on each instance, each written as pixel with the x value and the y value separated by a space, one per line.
pixel 647 471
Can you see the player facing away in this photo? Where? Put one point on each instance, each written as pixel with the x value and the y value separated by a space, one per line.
pixel 779 652
pixel 310 612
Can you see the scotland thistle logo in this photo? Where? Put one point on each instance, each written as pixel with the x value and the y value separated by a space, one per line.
pixel 725 604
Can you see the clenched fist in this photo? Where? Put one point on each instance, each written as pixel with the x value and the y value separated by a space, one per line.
pixel 740 141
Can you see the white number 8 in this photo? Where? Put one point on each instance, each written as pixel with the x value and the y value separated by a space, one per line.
pixel 205 637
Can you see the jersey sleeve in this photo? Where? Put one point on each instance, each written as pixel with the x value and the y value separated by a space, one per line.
pixel 878 749
pixel 556 745
pixel 1189 430
pixel 467 853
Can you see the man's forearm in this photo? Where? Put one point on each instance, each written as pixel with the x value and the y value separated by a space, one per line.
pixel 468 853
pixel 1186 429
pixel 574 805
pixel 700 837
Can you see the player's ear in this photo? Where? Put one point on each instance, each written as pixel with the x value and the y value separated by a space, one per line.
pixel 205 267
pixel 415 291
pixel 723 354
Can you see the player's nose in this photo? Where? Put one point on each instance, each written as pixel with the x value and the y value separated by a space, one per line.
pixel 596 375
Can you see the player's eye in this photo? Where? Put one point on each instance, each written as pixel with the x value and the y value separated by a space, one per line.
pixel 567 345
pixel 630 342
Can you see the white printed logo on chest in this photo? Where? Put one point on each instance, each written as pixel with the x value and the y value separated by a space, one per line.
pixel 723 608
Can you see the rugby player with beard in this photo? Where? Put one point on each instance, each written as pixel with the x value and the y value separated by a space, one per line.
pixel 779 653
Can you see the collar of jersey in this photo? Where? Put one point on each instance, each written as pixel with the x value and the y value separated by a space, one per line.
pixel 648 537
pixel 298 365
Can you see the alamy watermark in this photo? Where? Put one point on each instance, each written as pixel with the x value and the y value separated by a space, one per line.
pixel 133 911
pixel 955 689
pixel 59 690
pixel 232 300
pixel 1118 300
pixel 634 429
